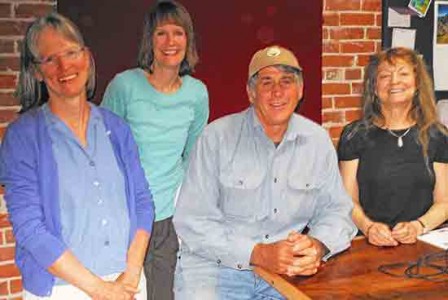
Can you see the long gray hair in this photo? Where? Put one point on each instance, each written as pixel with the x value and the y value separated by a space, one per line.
pixel 30 91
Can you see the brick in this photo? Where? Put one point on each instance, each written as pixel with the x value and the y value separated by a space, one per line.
pixel 4 288
pixel 371 5
pixel 330 47
pixel 337 61
pixel 346 33
pixel 8 99
pixel 4 222
pixel 33 10
pixel 379 20
pixel 333 74
pixel 363 60
pixel 358 47
pixel 2 239
pixel 357 88
pixel 8 115
pixel 335 132
pixel 331 19
pixel 353 74
pixel 9 237
pixel 373 33
pixel 347 102
pixel 5 10
pixel 9 63
pixel 352 115
pixel 15 286
pixel 325 34
pixel 9 270
pixel 7 81
pixel 6 46
pixel 333 117
pixel 13 27
pixel 327 102
pixel 6 254
pixel 335 88
pixel 357 19
pixel 342 5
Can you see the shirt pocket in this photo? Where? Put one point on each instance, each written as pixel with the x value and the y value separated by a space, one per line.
pixel 301 196
pixel 241 194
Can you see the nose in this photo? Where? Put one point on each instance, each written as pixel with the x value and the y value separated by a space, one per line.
pixel 276 88
pixel 394 77
pixel 62 62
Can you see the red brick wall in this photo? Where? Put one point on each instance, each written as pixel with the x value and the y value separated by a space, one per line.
pixel 15 15
pixel 351 32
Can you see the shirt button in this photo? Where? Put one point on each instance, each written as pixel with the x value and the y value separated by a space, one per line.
pixel 218 261
pixel 106 243
pixel 96 183
pixel 266 236
pixel 239 266
pixel 307 185
pixel 275 180
pixel 92 163
pixel 103 222
pixel 275 210
pixel 100 201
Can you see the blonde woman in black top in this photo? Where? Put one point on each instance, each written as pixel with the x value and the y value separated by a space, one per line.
pixel 394 161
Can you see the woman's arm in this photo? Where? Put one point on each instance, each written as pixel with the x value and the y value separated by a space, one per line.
pixel 378 233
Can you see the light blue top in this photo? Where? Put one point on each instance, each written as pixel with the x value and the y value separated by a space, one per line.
pixel 92 195
pixel 165 127
pixel 241 190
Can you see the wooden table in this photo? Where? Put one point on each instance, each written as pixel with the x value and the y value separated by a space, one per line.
pixel 354 274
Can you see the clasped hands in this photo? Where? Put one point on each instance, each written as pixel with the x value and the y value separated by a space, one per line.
pixel 123 288
pixel 298 254
pixel 380 234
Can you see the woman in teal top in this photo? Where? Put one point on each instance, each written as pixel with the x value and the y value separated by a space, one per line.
pixel 167 109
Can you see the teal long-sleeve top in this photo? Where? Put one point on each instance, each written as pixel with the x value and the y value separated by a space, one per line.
pixel 165 127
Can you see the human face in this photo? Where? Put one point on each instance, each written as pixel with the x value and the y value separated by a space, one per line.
pixel 395 83
pixel 169 46
pixel 63 65
pixel 275 98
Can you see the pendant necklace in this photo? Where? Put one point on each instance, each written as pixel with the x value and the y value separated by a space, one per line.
pixel 399 137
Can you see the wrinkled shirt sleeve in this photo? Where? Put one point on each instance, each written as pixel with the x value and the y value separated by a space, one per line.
pixel 331 222
pixel 18 166
pixel 199 221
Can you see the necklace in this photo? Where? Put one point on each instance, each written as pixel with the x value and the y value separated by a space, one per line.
pixel 400 137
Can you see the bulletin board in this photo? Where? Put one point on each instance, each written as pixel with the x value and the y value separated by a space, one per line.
pixel 424 33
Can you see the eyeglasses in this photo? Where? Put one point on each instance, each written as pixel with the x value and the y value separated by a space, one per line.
pixel 69 55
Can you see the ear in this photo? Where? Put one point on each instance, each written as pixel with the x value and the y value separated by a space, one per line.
pixel 300 91
pixel 38 74
pixel 250 94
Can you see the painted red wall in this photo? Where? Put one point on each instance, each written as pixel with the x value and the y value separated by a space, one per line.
pixel 229 32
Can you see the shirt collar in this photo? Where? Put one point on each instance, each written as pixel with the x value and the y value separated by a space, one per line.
pixel 95 115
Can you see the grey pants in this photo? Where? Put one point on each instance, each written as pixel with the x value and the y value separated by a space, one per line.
pixel 160 261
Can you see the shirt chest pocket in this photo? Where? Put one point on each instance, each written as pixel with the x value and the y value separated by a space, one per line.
pixel 302 195
pixel 241 194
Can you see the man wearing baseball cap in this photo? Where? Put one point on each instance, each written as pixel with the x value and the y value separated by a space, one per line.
pixel 256 180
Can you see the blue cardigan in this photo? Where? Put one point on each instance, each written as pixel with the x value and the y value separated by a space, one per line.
pixel 29 172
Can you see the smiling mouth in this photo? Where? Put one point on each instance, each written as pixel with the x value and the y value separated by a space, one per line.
pixel 396 91
pixel 170 52
pixel 67 78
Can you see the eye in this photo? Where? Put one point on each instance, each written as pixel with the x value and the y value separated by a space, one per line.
pixel 286 81
pixel 179 33
pixel 160 33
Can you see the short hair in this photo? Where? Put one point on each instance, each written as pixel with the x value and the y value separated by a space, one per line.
pixel 161 12
pixel 30 91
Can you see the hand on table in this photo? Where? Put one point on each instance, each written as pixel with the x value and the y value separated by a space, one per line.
pixel 407 232
pixel 379 234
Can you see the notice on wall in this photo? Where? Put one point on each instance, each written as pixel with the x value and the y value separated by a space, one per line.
pixel 398 18
pixel 403 37
pixel 440 46
pixel 420 7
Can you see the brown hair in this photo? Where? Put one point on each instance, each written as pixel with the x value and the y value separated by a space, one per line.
pixel 423 110
pixel 167 11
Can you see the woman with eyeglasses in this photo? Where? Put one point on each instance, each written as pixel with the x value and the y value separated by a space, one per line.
pixel 76 194
pixel 167 109
pixel 394 161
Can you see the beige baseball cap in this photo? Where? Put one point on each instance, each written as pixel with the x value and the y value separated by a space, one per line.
pixel 270 56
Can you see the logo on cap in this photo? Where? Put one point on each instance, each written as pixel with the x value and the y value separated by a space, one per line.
pixel 273 51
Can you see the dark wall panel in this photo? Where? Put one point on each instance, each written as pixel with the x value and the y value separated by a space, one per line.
pixel 228 34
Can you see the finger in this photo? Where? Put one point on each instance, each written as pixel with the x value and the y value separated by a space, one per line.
pixel 302 270
pixel 303 243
